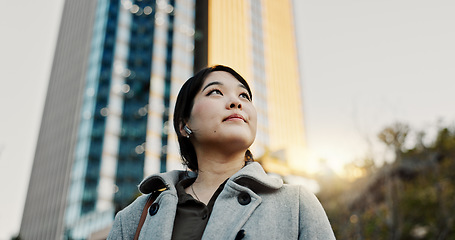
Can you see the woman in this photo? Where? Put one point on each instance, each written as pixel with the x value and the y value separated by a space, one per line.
pixel 226 195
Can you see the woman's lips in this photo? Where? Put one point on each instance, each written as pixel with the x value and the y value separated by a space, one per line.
pixel 235 117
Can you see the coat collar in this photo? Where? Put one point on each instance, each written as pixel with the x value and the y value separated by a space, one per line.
pixel 252 176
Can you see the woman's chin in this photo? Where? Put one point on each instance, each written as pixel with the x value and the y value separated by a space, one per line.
pixel 237 142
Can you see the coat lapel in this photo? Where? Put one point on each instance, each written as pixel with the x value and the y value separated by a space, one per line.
pixel 160 225
pixel 228 215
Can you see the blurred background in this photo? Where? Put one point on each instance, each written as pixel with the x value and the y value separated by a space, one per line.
pixel 376 85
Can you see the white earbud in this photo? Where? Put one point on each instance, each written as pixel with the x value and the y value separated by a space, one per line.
pixel 188 131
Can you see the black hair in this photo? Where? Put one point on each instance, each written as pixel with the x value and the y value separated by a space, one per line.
pixel 184 105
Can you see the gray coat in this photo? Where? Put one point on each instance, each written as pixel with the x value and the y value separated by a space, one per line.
pixel 262 206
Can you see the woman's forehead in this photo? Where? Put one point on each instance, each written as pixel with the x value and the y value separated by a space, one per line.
pixel 220 78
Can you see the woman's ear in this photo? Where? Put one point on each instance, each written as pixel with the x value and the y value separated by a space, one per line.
pixel 182 132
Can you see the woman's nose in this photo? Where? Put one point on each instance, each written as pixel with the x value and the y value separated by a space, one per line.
pixel 234 104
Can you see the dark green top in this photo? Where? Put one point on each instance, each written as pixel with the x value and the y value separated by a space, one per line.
pixel 192 215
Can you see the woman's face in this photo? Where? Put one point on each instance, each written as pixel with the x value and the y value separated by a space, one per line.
pixel 223 114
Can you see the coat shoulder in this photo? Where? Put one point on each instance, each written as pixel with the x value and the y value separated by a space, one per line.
pixel 314 223
pixel 126 220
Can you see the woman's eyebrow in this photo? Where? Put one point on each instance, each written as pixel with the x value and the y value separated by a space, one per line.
pixel 210 84
pixel 242 86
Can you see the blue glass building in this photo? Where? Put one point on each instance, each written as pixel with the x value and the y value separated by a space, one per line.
pixel 128 59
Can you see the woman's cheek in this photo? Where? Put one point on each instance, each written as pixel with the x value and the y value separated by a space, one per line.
pixel 203 111
pixel 252 113
pixel 198 108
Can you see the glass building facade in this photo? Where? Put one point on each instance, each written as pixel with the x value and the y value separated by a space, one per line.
pixel 118 67
pixel 257 38
pixel 135 50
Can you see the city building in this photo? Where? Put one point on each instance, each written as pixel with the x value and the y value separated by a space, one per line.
pixel 117 69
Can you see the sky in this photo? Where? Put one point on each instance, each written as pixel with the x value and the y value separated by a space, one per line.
pixel 368 64
pixel 364 64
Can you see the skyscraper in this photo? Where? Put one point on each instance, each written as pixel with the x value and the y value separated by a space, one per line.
pixel 257 38
pixel 117 69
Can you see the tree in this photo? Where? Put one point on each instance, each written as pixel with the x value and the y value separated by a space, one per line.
pixel 409 198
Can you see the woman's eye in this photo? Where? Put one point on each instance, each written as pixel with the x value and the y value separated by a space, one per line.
pixel 215 91
pixel 245 95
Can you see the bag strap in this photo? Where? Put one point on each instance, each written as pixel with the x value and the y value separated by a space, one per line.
pixel 152 197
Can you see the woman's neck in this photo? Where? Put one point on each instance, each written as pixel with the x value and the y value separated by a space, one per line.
pixel 214 169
